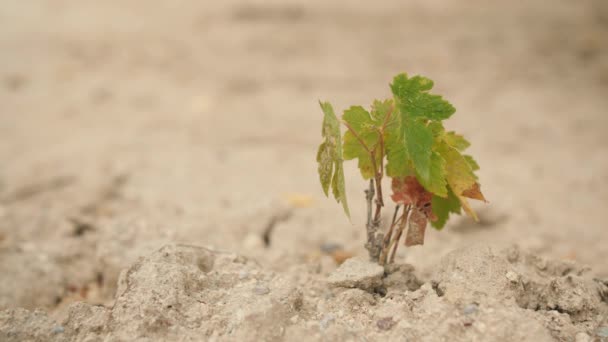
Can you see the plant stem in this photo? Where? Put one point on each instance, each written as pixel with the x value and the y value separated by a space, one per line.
pixel 374 239
pixel 402 225
pixel 369 196
pixel 387 238
pixel 379 197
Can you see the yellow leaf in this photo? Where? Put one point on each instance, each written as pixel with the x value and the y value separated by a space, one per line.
pixel 467 208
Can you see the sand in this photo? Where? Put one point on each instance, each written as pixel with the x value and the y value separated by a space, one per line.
pixel 146 147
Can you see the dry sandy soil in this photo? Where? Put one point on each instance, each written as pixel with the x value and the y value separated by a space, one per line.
pixel 147 145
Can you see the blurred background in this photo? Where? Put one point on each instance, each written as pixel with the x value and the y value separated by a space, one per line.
pixel 125 125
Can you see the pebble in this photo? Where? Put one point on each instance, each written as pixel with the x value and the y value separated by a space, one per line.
pixel 58 329
pixel 602 332
pixel 261 290
pixel 330 247
pixel 512 276
pixel 385 323
pixel 467 322
pixel 470 309
pixel 243 275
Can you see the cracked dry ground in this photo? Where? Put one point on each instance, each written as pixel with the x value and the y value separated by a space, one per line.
pixel 126 127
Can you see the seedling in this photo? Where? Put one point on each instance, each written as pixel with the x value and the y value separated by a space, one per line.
pixel 404 139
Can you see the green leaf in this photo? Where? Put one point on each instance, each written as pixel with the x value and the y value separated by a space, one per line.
pixel 359 119
pixel 380 110
pixel 361 122
pixel 442 207
pixel 437 128
pixel 420 123
pixel 326 166
pixel 472 163
pixel 457 141
pixel 415 101
pixel 436 182
pixel 354 150
pixel 419 142
pixel 339 189
pixel 329 157
pixel 460 176
pixel 404 87
pixel 398 164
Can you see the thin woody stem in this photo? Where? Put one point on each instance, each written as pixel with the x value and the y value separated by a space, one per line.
pixel 379 197
pixel 402 225
pixel 387 237
pixel 394 221
pixel 369 196
pixel 376 244
pixel 374 240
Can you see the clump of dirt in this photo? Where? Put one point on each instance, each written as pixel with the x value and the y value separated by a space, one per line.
pixel 183 292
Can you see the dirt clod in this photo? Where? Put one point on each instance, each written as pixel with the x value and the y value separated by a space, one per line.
pixel 385 323
pixel 359 273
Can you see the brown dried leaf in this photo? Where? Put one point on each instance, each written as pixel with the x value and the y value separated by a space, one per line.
pixel 474 192
pixel 408 190
pixel 417 228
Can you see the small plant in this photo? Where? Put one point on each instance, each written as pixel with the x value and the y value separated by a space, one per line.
pixel 404 139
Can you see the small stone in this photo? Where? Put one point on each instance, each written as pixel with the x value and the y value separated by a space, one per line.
pixel 330 247
pixel 359 273
pixel 602 332
pixel 385 323
pixel 58 329
pixel 261 290
pixel 294 319
pixel 582 337
pixel 512 276
pixel 243 275
pixel 467 322
pixel 470 309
